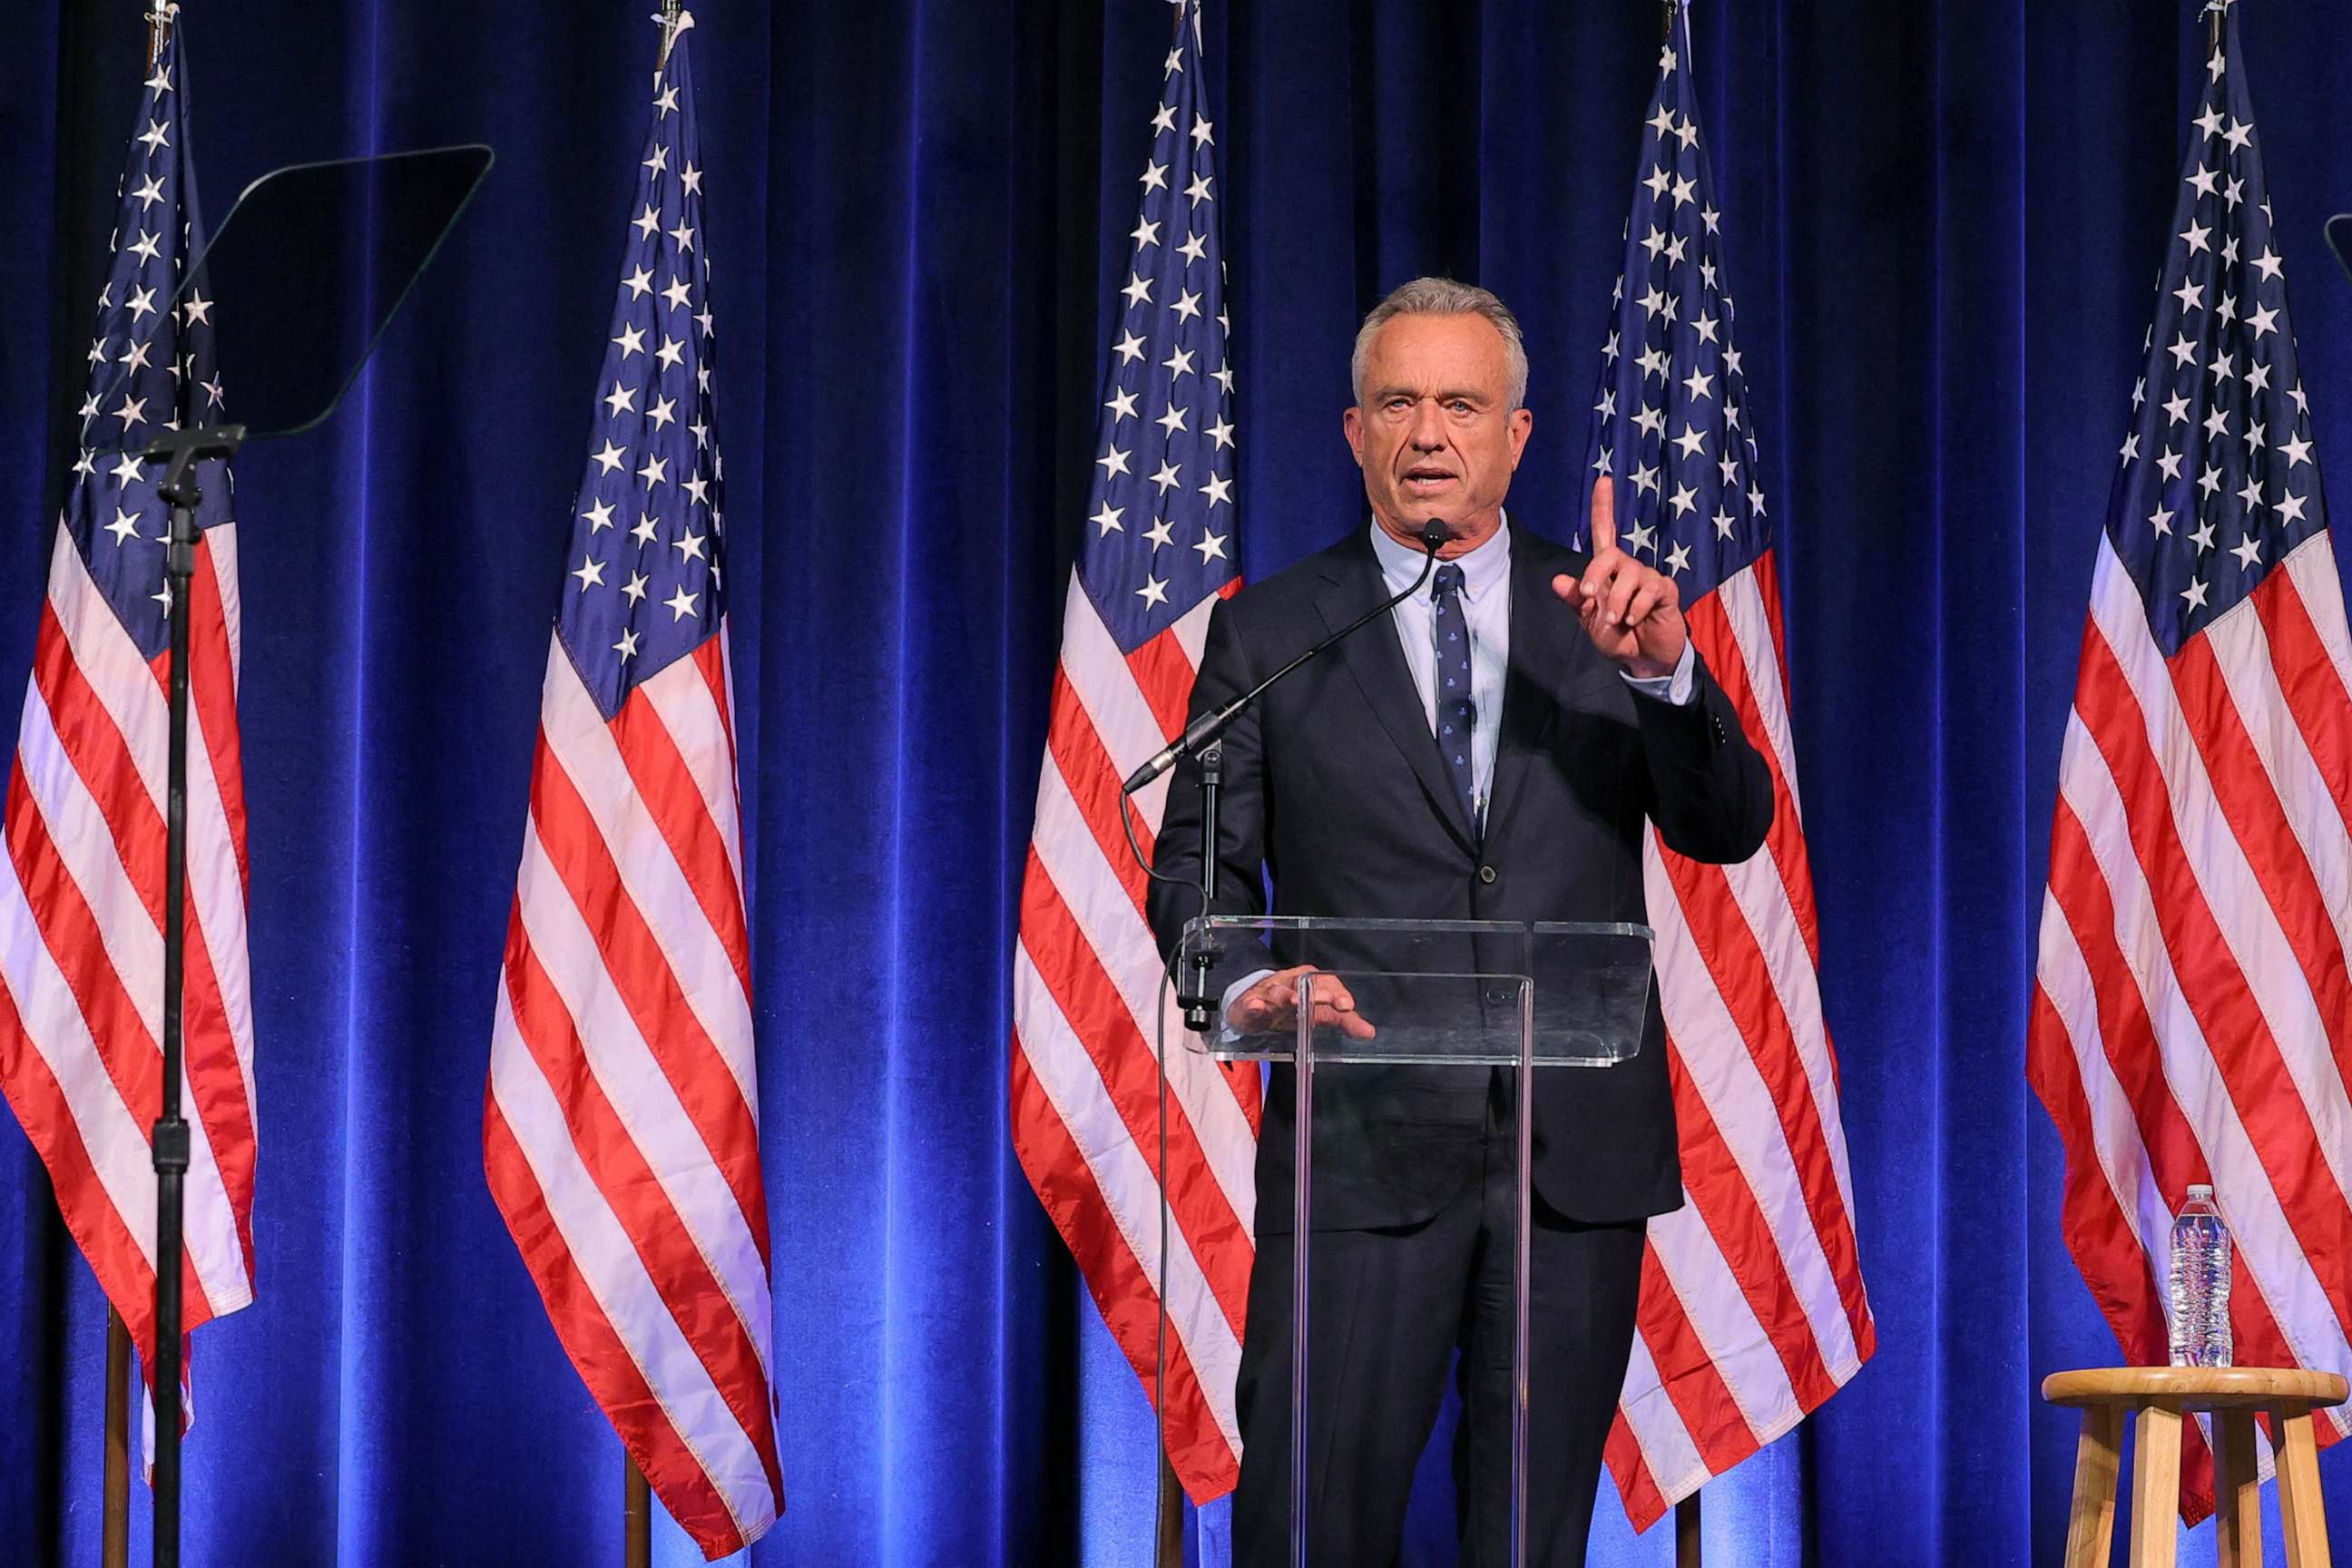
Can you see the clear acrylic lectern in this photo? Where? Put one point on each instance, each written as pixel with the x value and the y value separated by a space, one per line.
pixel 1403 1065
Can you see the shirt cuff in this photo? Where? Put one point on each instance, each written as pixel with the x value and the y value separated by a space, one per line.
pixel 1676 689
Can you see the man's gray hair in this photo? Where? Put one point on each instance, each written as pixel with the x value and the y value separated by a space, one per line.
pixel 1444 296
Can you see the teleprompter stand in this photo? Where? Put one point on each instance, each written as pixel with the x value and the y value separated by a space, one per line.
pixel 307 271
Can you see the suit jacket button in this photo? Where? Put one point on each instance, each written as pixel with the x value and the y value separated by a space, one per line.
pixel 1488 874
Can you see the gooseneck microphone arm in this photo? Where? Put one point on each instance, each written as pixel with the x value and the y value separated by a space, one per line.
pixel 1205 729
pixel 1201 738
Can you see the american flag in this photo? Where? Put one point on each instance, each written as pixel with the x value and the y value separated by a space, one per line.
pixel 1158 550
pixel 620 1134
pixel 81 884
pixel 1752 1308
pixel 2192 1008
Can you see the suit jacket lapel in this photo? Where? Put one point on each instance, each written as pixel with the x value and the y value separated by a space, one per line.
pixel 1375 660
pixel 1538 655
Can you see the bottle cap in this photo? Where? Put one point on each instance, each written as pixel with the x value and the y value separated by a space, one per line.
pixel 2200 1190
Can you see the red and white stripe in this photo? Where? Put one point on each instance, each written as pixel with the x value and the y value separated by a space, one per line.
pixel 1752 1308
pixel 620 1134
pixel 2192 1015
pixel 81 938
pixel 1087 1029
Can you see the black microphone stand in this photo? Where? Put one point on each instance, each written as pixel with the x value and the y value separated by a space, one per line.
pixel 179 451
pixel 1203 738
pixel 1195 1001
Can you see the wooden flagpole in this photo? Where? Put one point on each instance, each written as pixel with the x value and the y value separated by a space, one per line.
pixel 636 1520
pixel 114 1504
pixel 1687 1551
pixel 1687 1533
pixel 636 1497
pixel 114 1539
pixel 1171 1546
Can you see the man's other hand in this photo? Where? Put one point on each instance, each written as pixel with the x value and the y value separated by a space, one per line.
pixel 1272 1006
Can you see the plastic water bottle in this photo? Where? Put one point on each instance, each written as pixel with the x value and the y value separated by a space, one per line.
pixel 2200 1283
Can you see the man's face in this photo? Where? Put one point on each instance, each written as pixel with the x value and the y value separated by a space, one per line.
pixel 1435 434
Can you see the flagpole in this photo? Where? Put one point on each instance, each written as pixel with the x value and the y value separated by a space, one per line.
pixel 1168 1511
pixel 636 1520
pixel 1686 1551
pixel 1686 1510
pixel 670 11
pixel 114 1515
pixel 114 1504
pixel 114 1539
pixel 1171 1547
pixel 636 1496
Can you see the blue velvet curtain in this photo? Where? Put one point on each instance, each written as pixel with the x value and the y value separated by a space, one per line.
pixel 1941 216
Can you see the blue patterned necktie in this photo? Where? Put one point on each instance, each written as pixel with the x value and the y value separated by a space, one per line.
pixel 1457 715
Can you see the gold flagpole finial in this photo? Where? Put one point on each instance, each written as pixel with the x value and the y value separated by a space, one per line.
pixel 675 19
pixel 159 27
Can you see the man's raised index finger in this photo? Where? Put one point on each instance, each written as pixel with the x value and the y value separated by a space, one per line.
pixel 1604 514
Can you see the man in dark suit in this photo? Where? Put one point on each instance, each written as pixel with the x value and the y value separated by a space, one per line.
pixel 1493 754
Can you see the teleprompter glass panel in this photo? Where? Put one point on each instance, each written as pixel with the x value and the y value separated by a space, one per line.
pixel 309 266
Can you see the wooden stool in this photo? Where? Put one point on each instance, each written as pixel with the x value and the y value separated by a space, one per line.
pixel 2159 1396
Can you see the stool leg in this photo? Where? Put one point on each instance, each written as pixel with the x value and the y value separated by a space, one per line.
pixel 2237 1491
pixel 2156 1489
pixel 2098 1457
pixel 2300 1509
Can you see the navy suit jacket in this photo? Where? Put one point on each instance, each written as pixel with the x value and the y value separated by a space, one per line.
pixel 1335 792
